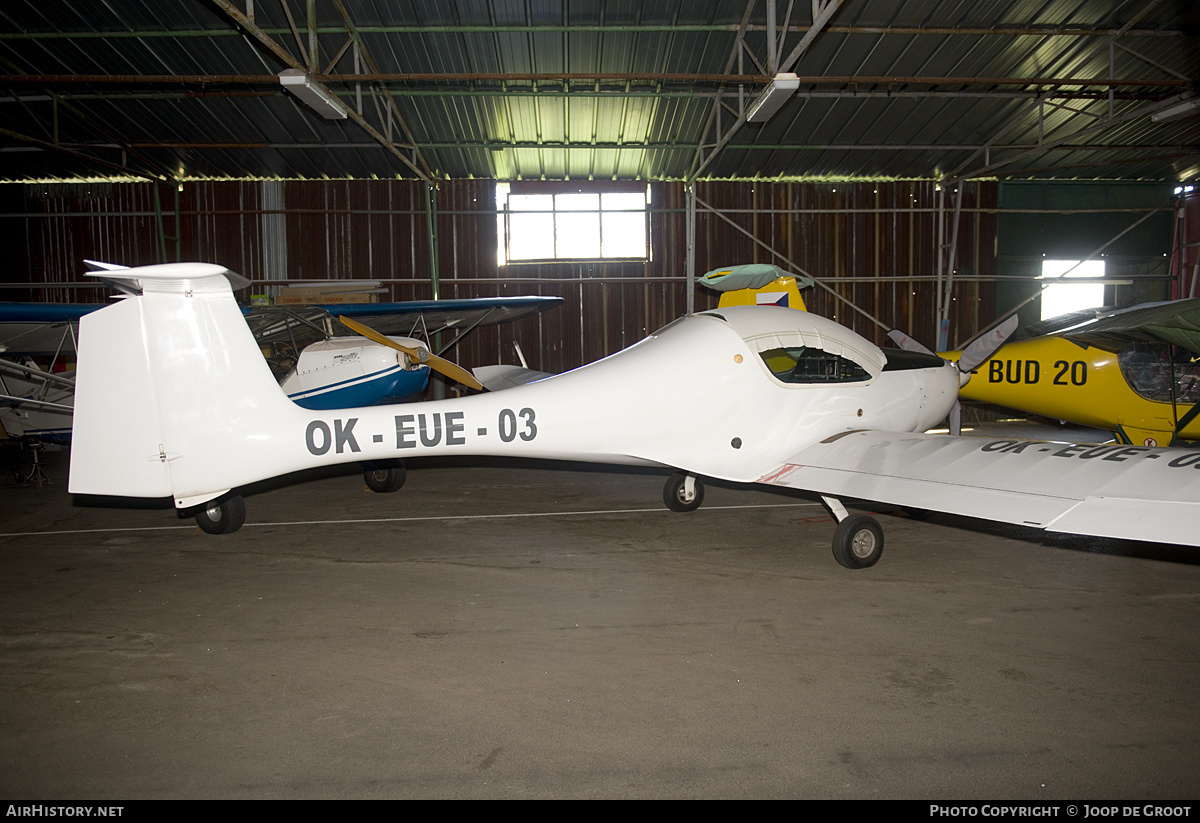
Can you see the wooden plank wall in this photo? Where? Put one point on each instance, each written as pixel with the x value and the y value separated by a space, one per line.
pixel 377 229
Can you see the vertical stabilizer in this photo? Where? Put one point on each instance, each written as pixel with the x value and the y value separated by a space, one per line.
pixel 170 388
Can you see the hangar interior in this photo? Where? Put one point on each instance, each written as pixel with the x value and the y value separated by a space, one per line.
pixel 923 161
pixel 920 160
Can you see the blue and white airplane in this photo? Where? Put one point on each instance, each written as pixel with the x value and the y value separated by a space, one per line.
pixel 317 368
pixel 172 401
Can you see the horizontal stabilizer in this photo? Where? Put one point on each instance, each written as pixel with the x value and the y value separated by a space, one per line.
pixel 129 280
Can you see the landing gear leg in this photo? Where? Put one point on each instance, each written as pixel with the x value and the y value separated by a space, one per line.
pixel 858 538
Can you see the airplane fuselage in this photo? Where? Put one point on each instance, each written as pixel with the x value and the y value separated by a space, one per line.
pixel 1056 378
pixel 344 372
pixel 653 403
pixel 696 396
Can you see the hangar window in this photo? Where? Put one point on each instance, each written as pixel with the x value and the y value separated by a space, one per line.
pixel 536 225
pixel 805 364
pixel 1064 297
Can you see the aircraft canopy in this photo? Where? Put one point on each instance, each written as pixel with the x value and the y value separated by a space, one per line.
pixel 767 328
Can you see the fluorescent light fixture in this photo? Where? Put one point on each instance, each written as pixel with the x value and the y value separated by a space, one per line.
pixel 781 87
pixel 1177 111
pixel 313 94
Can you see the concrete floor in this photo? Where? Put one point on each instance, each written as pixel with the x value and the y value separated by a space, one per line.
pixel 541 631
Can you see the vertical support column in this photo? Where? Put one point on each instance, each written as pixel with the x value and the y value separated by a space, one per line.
pixel 437 386
pixel 951 255
pixel 1185 241
pixel 940 331
pixel 432 235
pixel 690 190
pixel 158 223
pixel 178 225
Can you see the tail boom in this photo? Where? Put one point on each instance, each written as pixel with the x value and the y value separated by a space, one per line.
pixel 175 399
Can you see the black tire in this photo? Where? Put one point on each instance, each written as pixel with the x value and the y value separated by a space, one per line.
pixel 676 497
pixel 858 541
pixel 223 516
pixel 385 476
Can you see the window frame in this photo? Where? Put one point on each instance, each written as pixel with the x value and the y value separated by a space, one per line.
pixel 504 215
pixel 1054 292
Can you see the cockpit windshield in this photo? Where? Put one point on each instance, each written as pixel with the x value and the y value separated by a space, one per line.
pixel 805 364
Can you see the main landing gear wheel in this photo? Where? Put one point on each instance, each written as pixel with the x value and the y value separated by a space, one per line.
pixel 858 541
pixel 222 516
pixel 682 496
pixel 384 476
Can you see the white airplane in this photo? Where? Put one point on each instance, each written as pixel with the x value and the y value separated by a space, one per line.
pixel 171 402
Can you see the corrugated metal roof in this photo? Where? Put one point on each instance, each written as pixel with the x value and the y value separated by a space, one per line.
pixel 539 89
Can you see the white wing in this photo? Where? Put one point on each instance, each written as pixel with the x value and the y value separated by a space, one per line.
pixel 1110 490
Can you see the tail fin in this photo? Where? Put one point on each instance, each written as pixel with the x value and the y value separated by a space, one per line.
pixel 757 284
pixel 782 292
pixel 164 378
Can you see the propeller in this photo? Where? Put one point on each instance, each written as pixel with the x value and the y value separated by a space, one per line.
pixel 975 354
pixel 418 354
pixel 983 347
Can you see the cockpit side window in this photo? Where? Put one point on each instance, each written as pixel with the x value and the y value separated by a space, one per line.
pixel 805 364
pixel 1148 368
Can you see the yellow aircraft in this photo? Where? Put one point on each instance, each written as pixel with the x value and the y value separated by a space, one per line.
pixel 1131 371
pixel 757 284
